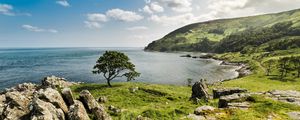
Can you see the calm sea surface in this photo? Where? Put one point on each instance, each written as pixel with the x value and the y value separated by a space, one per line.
pixel 75 64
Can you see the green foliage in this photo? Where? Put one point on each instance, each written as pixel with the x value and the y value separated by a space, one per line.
pixel 269 32
pixel 258 63
pixel 113 64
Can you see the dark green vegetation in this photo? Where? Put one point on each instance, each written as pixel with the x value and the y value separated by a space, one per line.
pixel 261 33
pixel 113 64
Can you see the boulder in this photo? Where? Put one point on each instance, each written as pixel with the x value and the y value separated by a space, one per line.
pixel 102 99
pixel 200 90
pixel 91 104
pixel 16 106
pixel 56 82
pixel 294 115
pixel 22 87
pixel 68 96
pixel 289 96
pixel 2 102
pixel 77 112
pixel 217 93
pixel 54 97
pixel 134 89
pixel 195 117
pixel 234 98
pixel 187 55
pixel 41 110
pixel 203 110
pixel 88 100
pixel 100 113
pixel 239 105
pixel 114 110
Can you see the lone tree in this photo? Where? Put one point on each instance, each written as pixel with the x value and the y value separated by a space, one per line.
pixel 113 64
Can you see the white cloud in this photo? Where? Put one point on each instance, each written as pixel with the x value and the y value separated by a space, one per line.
pixel 92 25
pixel 177 5
pixel 6 9
pixel 94 20
pixel 153 7
pixel 122 15
pixel 37 29
pixel 64 3
pixel 97 17
pixel 238 8
pixel 135 28
pixel 181 19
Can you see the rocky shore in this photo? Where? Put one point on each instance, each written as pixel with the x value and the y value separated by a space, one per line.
pixel 242 69
pixel 52 100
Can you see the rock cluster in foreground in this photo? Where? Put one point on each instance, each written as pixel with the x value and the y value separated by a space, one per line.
pixel 44 102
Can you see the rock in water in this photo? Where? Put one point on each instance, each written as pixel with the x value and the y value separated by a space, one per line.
pixel 217 93
pixel 41 110
pixel 68 96
pixel 92 105
pixel 199 90
pixel 56 82
pixel 77 112
pixel 54 97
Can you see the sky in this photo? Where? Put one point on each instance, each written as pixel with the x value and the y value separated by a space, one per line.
pixel 114 23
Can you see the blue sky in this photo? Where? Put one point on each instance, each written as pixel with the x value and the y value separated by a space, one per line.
pixel 114 23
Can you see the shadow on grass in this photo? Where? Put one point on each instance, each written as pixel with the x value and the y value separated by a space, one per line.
pixel 91 87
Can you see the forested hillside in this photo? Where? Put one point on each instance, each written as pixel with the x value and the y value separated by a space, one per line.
pixel 269 32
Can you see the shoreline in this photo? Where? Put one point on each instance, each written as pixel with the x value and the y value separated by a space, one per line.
pixel 242 68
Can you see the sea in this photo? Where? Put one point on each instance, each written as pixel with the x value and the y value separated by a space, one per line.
pixel 20 65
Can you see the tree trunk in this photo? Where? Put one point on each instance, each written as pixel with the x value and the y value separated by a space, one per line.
pixel 108 82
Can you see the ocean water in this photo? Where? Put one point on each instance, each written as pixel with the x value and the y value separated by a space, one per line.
pixel 75 64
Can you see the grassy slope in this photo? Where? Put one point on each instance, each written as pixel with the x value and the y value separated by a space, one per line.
pixel 172 102
pixel 258 81
pixel 195 32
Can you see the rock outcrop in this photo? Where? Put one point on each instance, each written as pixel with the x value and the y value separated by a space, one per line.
pixel 237 100
pixel 44 102
pixel 102 99
pixel 288 96
pixel 16 106
pixel 200 90
pixel 217 93
pixel 77 112
pixel 54 97
pixel 203 110
pixel 68 96
pixel 41 110
pixel 56 82
pixel 2 102
pixel 92 105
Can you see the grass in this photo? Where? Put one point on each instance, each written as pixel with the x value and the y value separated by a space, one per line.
pixel 161 102
pixel 153 101
pixel 258 81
